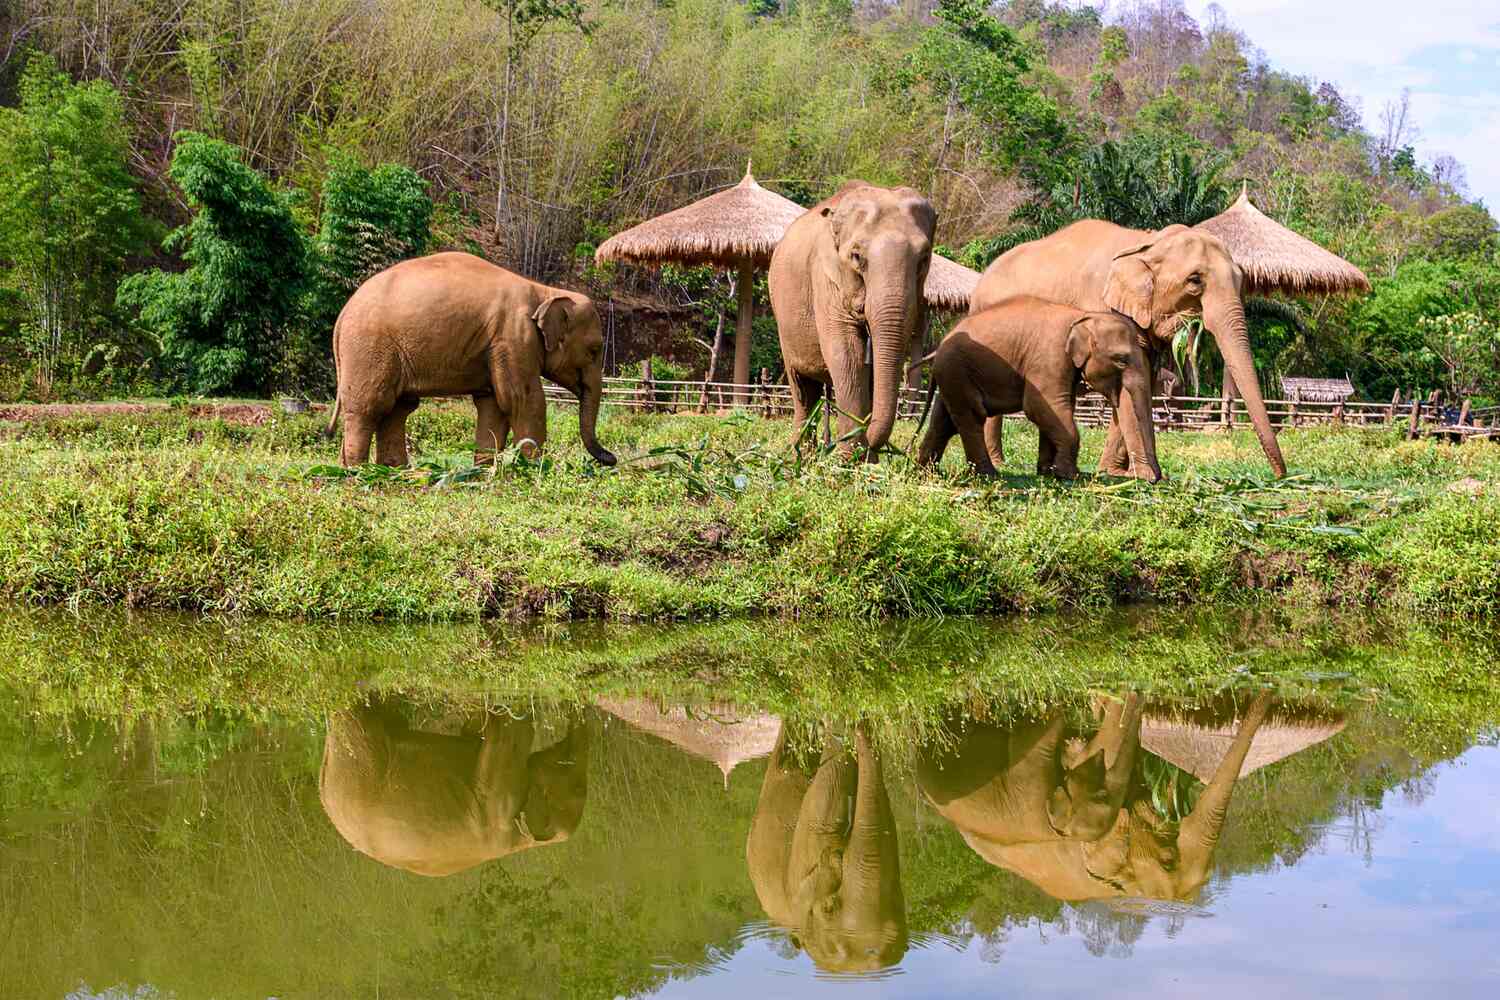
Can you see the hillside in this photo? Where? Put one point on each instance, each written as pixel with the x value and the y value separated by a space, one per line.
pixel 538 127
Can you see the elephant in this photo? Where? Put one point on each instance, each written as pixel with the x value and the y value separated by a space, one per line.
pixel 823 857
pixel 1027 355
pixel 1159 280
pixel 846 285
pixel 453 324
pixel 1024 784
pixel 436 803
pixel 1145 854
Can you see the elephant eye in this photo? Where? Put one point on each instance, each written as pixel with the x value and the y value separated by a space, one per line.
pixel 857 259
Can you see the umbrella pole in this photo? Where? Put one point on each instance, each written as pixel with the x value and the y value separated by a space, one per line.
pixel 745 285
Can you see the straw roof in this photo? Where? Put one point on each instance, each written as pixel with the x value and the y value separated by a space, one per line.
pixel 1198 749
pixel 1273 258
pixel 716 733
pixel 949 285
pixel 738 224
pixel 1317 390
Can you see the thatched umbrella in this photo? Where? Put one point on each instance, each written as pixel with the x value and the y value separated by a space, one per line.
pixel 1275 259
pixel 736 228
pixel 716 733
pixel 1197 745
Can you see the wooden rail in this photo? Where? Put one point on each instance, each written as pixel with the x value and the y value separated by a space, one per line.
pixel 1171 413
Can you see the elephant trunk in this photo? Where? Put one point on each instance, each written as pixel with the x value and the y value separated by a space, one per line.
pixel 1225 318
pixel 590 389
pixel 890 323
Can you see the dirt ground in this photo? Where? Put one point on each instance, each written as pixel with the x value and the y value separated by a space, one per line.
pixel 247 414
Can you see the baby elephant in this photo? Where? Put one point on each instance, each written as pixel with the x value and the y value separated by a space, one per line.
pixel 1024 355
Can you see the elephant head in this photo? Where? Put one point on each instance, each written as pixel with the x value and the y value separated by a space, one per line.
pixel 1106 350
pixel 573 357
pixel 823 856
pixel 1184 273
pixel 436 803
pixel 880 250
pixel 1145 854
pixel 1025 784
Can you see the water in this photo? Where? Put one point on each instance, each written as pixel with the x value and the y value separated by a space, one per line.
pixel 192 810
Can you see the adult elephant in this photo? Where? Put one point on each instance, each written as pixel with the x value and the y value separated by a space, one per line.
pixel 1145 855
pixel 1157 279
pixel 452 324
pixel 439 802
pixel 846 285
pixel 1025 783
pixel 823 857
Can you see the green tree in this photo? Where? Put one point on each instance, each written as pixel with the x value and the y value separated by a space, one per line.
pixel 970 60
pixel 225 320
pixel 1460 233
pixel 69 214
pixel 368 220
pixel 1465 347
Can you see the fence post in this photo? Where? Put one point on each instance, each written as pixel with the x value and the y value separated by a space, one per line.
pixel 648 387
pixel 1416 419
pixel 1390 411
pixel 1295 416
pixel 765 390
pixel 1338 414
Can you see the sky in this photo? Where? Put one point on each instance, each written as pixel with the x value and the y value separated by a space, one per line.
pixel 1446 51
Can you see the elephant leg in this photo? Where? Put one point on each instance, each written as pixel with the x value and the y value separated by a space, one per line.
pixel 1116 458
pixel 529 420
pixel 359 430
pixel 852 392
pixel 969 419
pixel 491 427
pixel 940 430
pixel 994 439
pixel 805 395
pixel 1054 421
pixel 390 436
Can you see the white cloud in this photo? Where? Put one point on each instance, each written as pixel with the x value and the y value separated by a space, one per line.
pixel 1373 49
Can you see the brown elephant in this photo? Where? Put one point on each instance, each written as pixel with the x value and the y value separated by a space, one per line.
pixel 1157 279
pixel 453 324
pixel 1145 854
pixel 1026 784
pixel 823 857
pixel 1028 356
pixel 846 285
pixel 436 803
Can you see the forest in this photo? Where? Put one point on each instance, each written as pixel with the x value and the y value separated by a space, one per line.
pixel 189 189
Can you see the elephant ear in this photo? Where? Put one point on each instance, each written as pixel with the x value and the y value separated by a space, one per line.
pixel 1080 342
pixel 551 318
pixel 1130 286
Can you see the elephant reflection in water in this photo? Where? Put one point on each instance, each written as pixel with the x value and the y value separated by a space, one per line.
pixel 1137 853
pixel 822 854
pixel 439 802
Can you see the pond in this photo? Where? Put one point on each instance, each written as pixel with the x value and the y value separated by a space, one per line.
pixel 1153 804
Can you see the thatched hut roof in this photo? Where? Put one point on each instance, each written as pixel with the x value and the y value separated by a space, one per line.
pixel 1198 748
pixel 1275 259
pixel 716 733
pixel 737 225
pixel 1316 390
pixel 949 285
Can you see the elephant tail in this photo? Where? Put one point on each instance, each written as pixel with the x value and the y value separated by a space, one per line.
pixel 931 392
pixel 333 421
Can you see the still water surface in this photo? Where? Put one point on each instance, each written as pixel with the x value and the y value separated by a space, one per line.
pixel 1226 841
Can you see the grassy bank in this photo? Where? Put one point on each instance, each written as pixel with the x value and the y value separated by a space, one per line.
pixel 713 516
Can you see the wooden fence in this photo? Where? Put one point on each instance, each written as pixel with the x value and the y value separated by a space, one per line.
pixel 774 399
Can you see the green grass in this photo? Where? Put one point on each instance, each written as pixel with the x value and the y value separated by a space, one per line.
pixel 711 517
